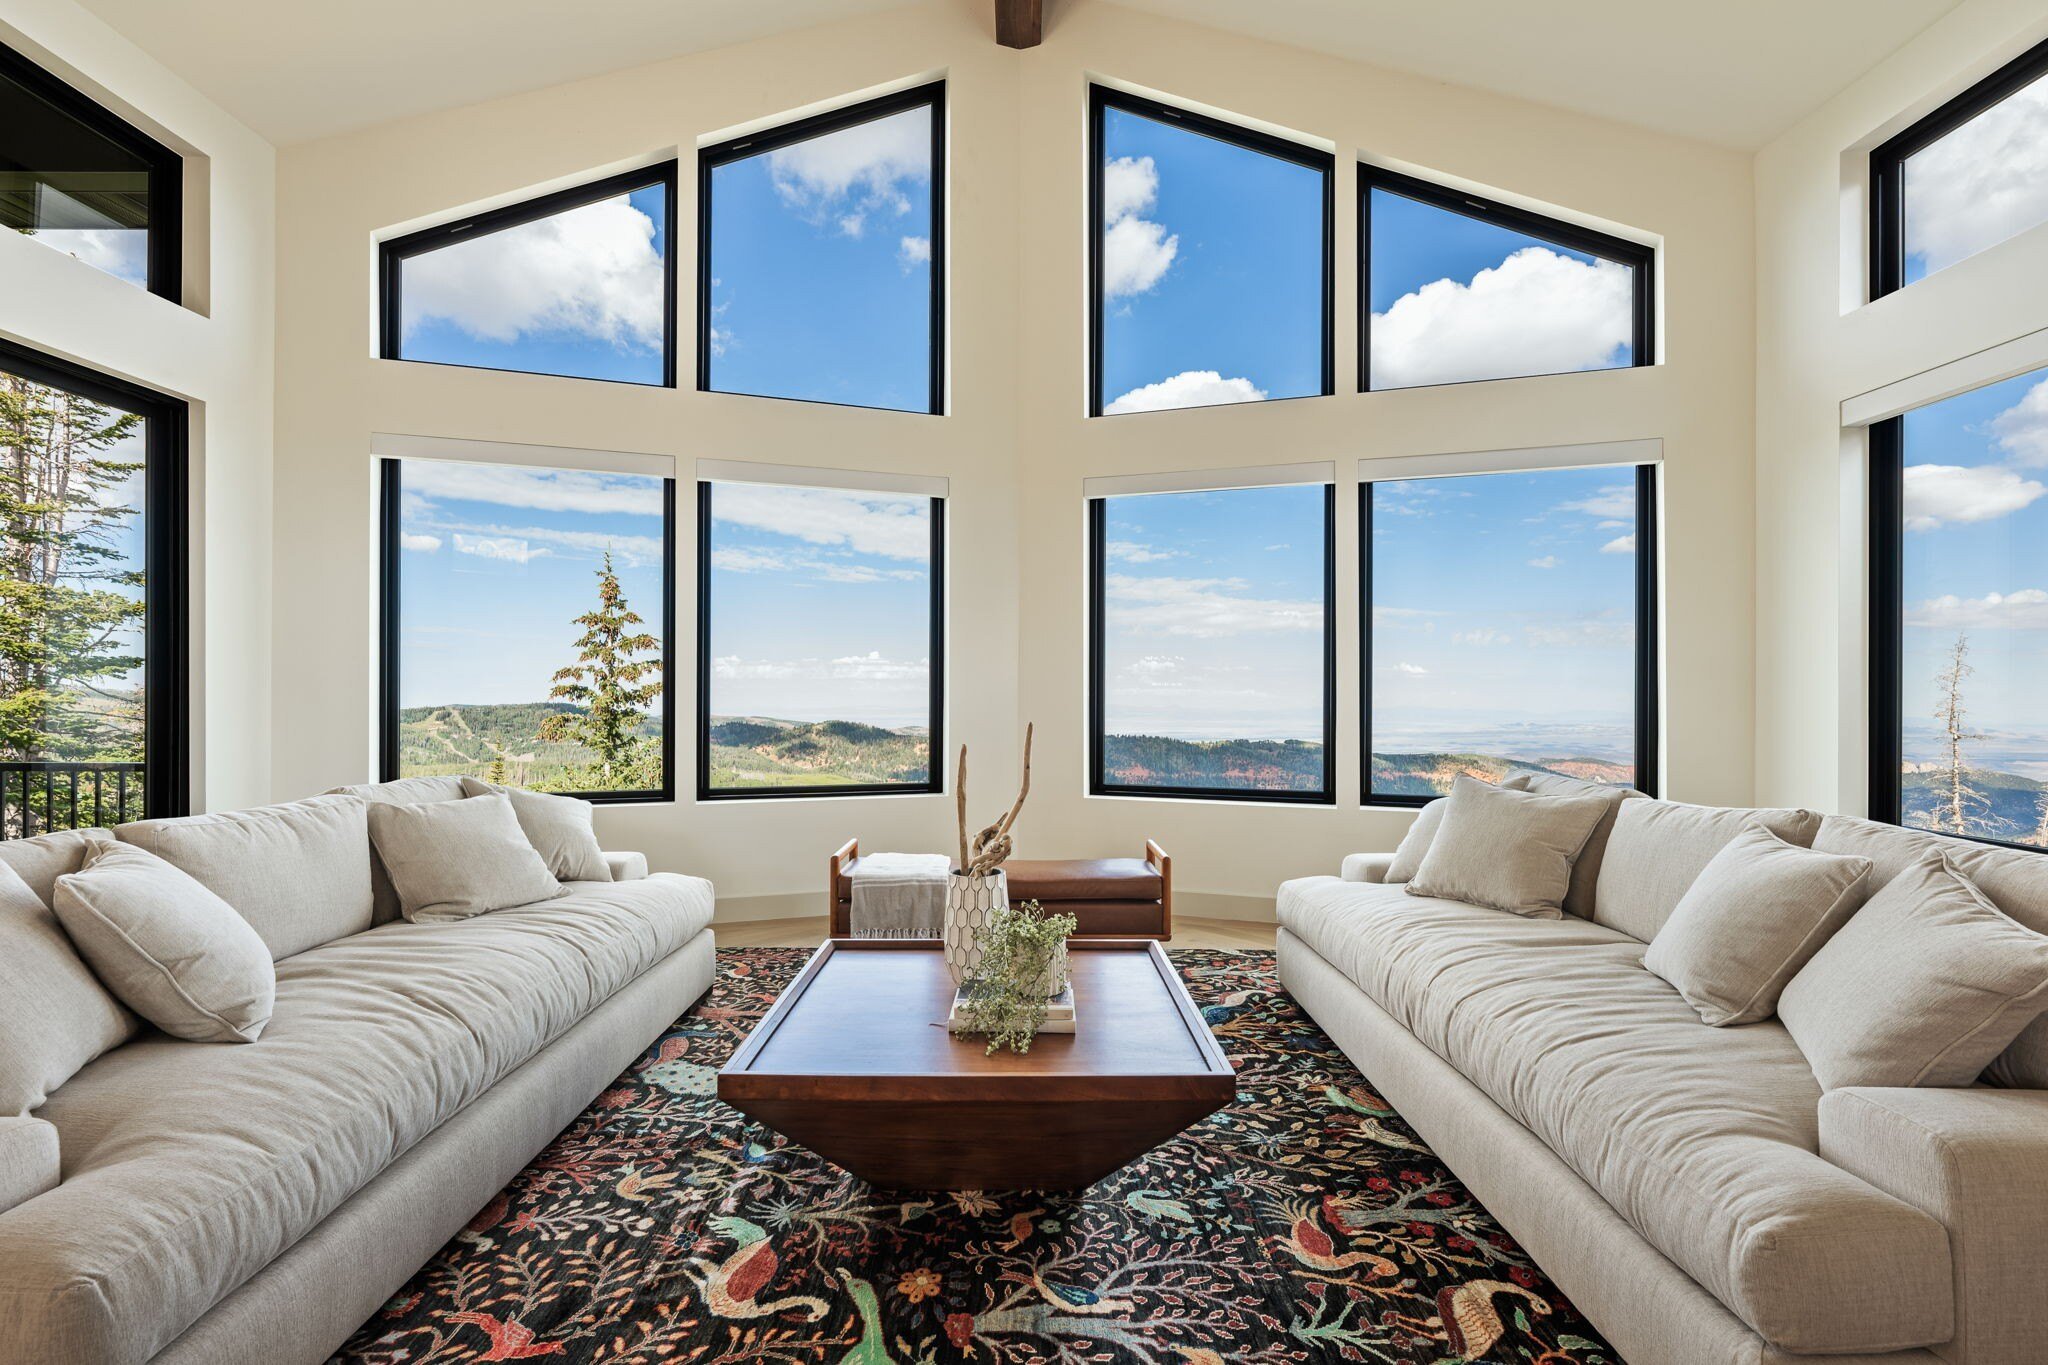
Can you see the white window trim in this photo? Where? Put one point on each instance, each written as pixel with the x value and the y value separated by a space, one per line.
pixel 1457 464
pixel 1992 365
pixel 394 446
pixel 1209 480
pixel 817 476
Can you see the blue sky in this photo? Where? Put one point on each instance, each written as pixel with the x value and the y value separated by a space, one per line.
pixel 820 605
pixel 498 560
pixel 1976 561
pixel 1212 270
pixel 1213 614
pixel 1504 614
pixel 1982 183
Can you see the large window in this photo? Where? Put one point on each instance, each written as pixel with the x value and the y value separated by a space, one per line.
pixel 527 619
pixel 1966 177
pixel 1209 261
pixel 1212 643
pixel 579 283
pixel 92 599
pixel 821 275
pixel 80 179
pixel 819 640
pixel 1456 288
pixel 1509 623
pixel 1959 537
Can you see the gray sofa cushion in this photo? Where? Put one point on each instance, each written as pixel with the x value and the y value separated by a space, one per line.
pixel 2016 882
pixel 29 1163
pixel 1586 870
pixel 558 827
pixel 298 872
pixel 403 791
pixel 1659 848
pixel 190 1168
pixel 454 859
pixel 46 857
pixel 55 1015
pixel 1415 843
pixel 1511 850
pixel 1705 1140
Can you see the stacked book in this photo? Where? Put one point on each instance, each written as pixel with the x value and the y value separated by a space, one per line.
pixel 1059 1011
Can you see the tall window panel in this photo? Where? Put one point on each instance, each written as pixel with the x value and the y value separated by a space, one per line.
pixel 820 622
pixel 822 275
pixel 1458 288
pixel 1212 643
pixel 1966 177
pixel 92 599
pixel 1959 541
pixel 1510 623
pixel 579 283
pixel 76 177
pixel 528 615
pixel 1209 261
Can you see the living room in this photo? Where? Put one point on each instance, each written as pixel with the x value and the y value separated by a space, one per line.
pixel 572 577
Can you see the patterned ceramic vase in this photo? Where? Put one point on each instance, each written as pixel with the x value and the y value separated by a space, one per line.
pixel 971 902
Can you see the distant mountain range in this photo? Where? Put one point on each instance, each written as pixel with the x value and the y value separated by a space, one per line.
pixel 1297 765
pixel 458 739
pixel 761 751
pixel 2010 807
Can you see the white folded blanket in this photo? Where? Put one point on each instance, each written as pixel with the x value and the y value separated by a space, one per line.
pixel 899 895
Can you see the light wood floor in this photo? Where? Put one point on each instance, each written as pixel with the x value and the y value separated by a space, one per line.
pixel 808 933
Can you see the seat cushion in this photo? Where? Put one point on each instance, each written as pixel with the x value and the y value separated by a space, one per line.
pixel 189 1167
pixel 1706 1140
pixel 1083 879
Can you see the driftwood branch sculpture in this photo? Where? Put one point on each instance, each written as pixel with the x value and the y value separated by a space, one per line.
pixel 989 848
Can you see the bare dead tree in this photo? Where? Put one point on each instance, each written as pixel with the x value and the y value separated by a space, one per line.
pixel 989 848
pixel 1958 797
pixel 2040 839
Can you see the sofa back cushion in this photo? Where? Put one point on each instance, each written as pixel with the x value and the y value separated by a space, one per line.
pixel 559 828
pixel 299 872
pixel 2016 882
pixel 1658 848
pixel 403 791
pixel 55 1016
pixel 1586 871
pixel 451 860
pixel 46 857
pixel 1508 850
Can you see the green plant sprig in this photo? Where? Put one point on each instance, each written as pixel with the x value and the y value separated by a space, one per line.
pixel 1006 998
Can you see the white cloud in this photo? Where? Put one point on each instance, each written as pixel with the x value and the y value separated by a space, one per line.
pixel 1188 389
pixel 747 561
pixel 914 252
pixel 121 252
pixel 1401 617
pixel 1614 502
pixel 1938 494
pixel 1620 545
pixel 1136 251
pixel 592 271
pixel 1982 183
pixel 2025 609
pixel 631 550
pixel 1131 552
pixel 1412 670
pixel 1546 562
pixel 426 545
pixel 844 177
pixel 1537 312
pixel 873 667
pixel 1156 670
pixel 1485 635
pixel 2022 429
pixel 544 490
pixel 866 523
pixel 507 548
pixel 1204 608
pixel 1594 631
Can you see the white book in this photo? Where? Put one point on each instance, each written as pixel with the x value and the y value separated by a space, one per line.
pixel 1059 1012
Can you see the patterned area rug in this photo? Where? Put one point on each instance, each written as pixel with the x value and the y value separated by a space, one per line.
pixel 1304 1223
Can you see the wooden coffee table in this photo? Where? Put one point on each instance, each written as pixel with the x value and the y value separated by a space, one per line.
pixel 855 1063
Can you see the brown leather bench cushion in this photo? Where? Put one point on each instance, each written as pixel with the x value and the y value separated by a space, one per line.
pixel 1083 879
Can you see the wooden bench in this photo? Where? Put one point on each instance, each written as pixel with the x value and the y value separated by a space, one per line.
pixel 1111 897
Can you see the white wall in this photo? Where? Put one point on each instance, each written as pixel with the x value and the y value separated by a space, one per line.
pixel 215 354
pixel 1819 343
pixel 1015 445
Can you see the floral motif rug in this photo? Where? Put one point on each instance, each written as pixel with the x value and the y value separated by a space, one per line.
pixel 1304 1223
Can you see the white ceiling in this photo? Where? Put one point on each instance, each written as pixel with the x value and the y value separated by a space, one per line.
pixel 1735 72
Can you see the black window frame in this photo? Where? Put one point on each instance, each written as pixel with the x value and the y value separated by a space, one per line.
pixel 394 252
pixel 1101 99
pixel 166 167
pixel 709 159
pixel 390 479
pixel 1649 681
pixel 1639 258
pixel 935 777
pixel 1888 162
pixel 167 551
pixel 1098 631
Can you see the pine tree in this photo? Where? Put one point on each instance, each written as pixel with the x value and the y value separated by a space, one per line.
pixel 1958 797
pixel 610 686
pixel 496 775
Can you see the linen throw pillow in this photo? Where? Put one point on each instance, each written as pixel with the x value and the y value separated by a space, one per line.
pixel 55 1016
pixel 450 860
pixel 1756 914
pixel 1512 851
pixel 1408 853
pixel 1924 985
pixel 558 827
pixel 170 949
pixel 1586 871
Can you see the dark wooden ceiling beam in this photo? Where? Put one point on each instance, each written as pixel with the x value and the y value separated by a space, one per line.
pixel 1020 23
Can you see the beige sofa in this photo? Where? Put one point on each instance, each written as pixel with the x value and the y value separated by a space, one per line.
pixel 255 1203
pixel 1689 1187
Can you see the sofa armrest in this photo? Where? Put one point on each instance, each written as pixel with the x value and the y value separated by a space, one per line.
pixel 1366 867
pixel 1976 1161
pixel 626 867
pixel 28 1160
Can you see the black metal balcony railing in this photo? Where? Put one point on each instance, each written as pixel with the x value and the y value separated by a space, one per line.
pixel 39 798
